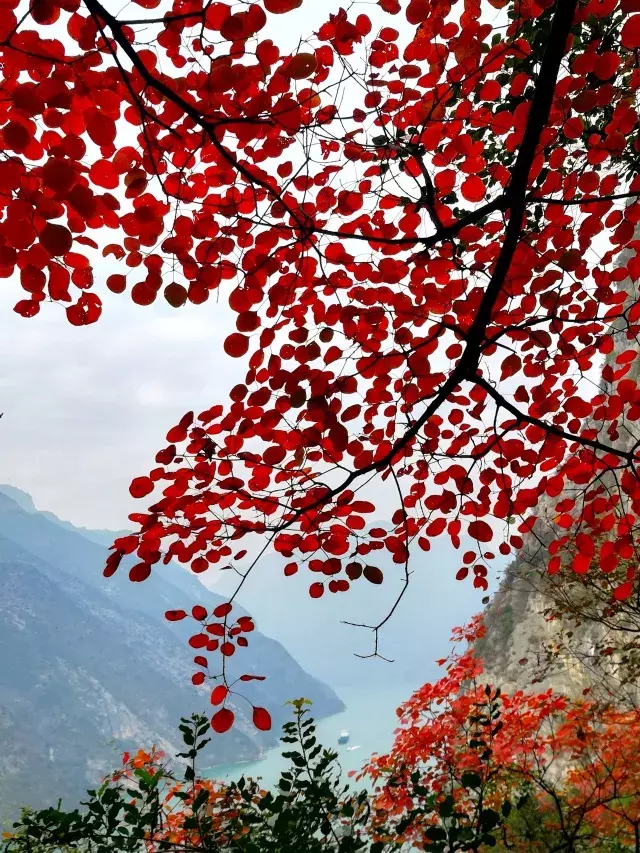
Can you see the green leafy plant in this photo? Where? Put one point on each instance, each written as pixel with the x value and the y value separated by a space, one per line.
pixel 145 805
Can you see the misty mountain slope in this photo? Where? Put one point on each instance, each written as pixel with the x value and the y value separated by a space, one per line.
pixel 75 675
pixel 25 502
pixel 86 669
pixel 78 556
pixel 416 635
pixel 169 587
pixel 81 552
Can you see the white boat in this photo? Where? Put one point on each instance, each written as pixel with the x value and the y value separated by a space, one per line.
pixel 343 737
pixel 351 748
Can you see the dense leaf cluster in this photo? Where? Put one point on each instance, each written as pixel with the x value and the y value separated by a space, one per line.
pixel 423 219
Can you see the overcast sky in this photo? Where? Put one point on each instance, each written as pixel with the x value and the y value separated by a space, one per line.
pixel 85 409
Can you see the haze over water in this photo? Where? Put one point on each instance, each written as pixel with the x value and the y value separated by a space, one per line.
pixel 370 717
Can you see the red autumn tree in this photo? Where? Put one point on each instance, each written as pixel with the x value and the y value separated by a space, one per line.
pixel 423 218
pixel 531 771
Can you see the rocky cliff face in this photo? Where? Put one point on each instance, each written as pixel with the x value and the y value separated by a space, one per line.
pixel 529 646
pixel 518 648
pixel 89 667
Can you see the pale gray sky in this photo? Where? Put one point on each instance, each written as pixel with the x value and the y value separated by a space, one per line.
pixel 85 409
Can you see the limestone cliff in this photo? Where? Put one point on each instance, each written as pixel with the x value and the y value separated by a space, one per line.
pixel 519 642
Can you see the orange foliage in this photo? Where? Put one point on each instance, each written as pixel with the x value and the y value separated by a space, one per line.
pixel 579 759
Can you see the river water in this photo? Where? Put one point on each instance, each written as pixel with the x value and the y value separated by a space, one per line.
pixel 370 717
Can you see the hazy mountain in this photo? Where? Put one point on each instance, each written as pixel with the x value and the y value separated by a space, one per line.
pixel 314 629
pixel 90 667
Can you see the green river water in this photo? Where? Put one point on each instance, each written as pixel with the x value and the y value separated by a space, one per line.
pixel 370 717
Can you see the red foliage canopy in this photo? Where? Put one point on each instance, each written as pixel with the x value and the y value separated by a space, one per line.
pixel 422 217
pixel 572 755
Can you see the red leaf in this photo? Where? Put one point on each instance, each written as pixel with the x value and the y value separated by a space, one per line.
pixel 56 239
pixel 222 610
pixel 112 563
pixel 236 345
pixel 373 574
pixel 16 136
pixel 166 455
pixel 143 295
pixel 624 591
pixel 570 260
pixel 117 283
pixel 175 294
pixel 174 615
pixel 222 720
pixel 480 531
pixel 140 572
pixel 473 188
pixel 316 590
pixel 27 307
pixel 252 678
pixel 87 309
pixel 581 564
pixel 219 694
pixel 179 432
pixel 300 66
pixel 417 11
pixel 199 565
pixel 100 128
pixel 261 719
pixel 510 366
pixel 630 34
pixel 127 544
pixel 279 7
pixel 140 487
pixel 199 612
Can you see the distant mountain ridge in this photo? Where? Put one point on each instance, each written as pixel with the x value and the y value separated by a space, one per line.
pixel 89 666
pixel 25 502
